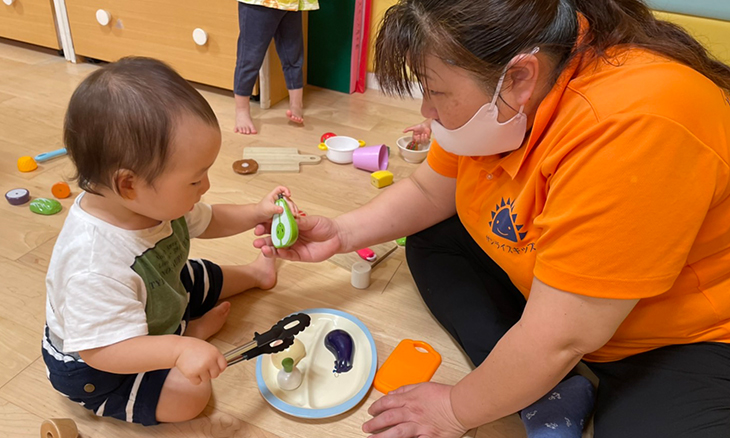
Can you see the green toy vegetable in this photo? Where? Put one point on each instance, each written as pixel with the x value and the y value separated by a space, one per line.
pixel 284 230
pixel 45 206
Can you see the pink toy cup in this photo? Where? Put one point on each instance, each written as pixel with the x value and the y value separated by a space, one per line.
pixel 371 158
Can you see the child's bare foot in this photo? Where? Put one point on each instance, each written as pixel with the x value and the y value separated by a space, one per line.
pixel 244 123
pixel 264 272
pixel 210 323
pixel 295 114
pixel 296 104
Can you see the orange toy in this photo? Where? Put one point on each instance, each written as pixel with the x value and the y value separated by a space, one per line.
pixel 27 164
pixel 411 362
pixel 61 190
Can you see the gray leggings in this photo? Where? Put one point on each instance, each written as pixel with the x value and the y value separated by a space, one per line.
pixel 258 25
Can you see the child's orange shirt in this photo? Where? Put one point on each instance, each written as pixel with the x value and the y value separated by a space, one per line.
pixel 621 191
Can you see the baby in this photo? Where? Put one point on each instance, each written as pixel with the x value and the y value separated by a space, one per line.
pixel 127 313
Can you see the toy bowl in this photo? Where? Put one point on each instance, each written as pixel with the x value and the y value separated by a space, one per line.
pixel 340 148
pixel 412 156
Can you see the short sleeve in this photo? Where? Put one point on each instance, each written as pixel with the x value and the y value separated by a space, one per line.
pixel 198 219
pixel 624 207
pixel 444 163
pixel 100 311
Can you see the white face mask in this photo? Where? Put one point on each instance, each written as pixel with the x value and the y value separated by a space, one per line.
pixel 483 134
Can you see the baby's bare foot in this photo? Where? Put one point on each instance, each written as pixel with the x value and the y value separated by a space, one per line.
pixel 210 323
pixel 264 270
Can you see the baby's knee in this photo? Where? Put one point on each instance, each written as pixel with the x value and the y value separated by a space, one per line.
pixel 182 401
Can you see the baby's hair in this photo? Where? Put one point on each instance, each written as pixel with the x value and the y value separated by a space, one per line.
pixel 122 116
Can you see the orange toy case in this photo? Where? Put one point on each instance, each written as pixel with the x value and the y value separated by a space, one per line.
pixel 407 365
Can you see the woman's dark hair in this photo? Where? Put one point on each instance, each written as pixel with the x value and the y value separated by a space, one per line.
pixel 483 36
pixel 122 116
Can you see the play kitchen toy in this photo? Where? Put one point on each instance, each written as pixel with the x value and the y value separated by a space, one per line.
pixel 366 254
pixel 245 167
pixel 340 149
pixel 59 428
pixel 61 190
pixel 371 158
pixel 323 393
pixel 412 153
pixel 278 159
pixel 48 155
pixel 45 206
pixel 289 377
pixel 27 164
pixel 341 345
pixel 381 178
pixel 284 230
pixel 277 338
pixel 17 196
pixel 360 275
pixel 410 362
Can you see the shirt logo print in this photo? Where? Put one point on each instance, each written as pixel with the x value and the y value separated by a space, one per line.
pixel 503 222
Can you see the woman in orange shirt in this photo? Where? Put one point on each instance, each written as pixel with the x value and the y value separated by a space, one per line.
pixel 574 207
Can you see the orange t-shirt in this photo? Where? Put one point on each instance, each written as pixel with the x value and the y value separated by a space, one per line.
pixel 622 191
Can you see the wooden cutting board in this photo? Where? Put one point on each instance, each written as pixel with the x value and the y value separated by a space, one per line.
pixel 279 159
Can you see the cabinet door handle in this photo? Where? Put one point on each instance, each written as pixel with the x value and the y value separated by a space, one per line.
pixel 103 17
pixel 200 37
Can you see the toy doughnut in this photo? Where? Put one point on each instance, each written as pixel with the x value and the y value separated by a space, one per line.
pixel 245 167
pixel 59 428
pixel 61 190
pixel 17 196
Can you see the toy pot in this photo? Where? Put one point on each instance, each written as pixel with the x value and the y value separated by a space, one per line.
pixel 340 148
pixel 371 158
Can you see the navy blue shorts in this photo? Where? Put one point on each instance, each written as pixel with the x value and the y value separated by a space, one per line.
pixel 129 397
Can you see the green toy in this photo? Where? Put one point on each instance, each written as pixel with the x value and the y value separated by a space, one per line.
pixel 284 230
pixel 401 241
pixel 45 206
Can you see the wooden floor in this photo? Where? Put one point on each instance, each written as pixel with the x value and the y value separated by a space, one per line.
pixel 35 86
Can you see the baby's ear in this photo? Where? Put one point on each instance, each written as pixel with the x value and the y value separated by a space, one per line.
pixel 125 182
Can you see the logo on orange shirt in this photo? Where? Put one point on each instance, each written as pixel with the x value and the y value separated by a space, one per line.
pixel 504 222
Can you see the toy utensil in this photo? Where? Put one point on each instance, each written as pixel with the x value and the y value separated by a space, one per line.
pixel 284 230
pixel 278 338
pixel 48 155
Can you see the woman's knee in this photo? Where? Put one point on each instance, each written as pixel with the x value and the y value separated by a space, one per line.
pixel 180 400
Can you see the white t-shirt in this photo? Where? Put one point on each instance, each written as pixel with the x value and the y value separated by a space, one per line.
pixel 106 284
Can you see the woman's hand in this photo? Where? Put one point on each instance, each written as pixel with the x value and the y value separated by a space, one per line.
pixel 421 132
pixel 267 208
pixel 422 410
pixel 319 239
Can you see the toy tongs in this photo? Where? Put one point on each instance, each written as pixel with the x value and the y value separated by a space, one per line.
pixel 278 338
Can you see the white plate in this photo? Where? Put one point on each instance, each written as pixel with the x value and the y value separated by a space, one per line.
pixel 321 394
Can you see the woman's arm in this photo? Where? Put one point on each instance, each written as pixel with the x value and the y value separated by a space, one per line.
pixel 413 204
pixel 556 329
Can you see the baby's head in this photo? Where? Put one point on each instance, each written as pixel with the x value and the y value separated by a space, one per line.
pixel 137 129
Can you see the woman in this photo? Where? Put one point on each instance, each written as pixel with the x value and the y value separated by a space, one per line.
pixel 576 207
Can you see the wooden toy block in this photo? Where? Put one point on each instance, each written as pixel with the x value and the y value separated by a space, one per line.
pixel 381 178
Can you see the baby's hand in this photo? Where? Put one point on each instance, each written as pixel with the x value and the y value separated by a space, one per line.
pixel 267 208
pixel 199 360
pixel 421 132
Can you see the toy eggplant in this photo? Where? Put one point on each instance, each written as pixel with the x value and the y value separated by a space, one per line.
pixel 284 230
pixel 340 343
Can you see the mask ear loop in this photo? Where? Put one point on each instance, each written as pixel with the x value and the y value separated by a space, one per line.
pixel 514 61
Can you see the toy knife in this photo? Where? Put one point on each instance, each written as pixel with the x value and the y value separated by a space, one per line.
pixel 278 338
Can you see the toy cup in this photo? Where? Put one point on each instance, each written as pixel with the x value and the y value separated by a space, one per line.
pixel 371 158
pixel 340 148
